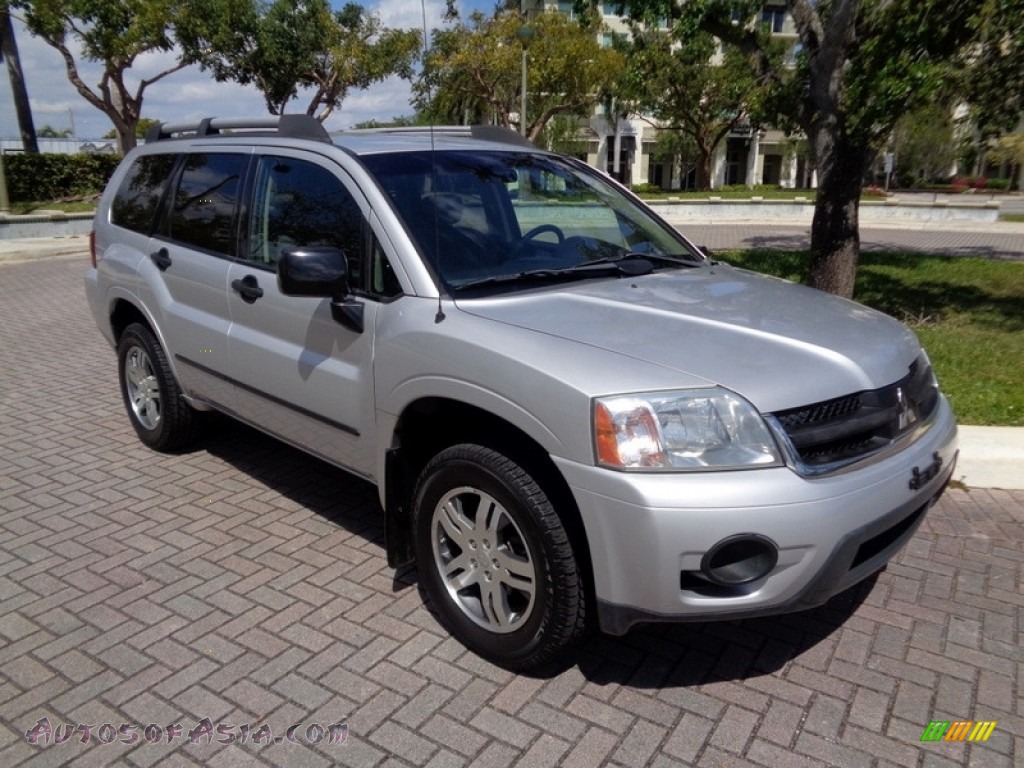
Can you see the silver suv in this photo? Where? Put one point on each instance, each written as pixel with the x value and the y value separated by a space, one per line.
pixel 569 410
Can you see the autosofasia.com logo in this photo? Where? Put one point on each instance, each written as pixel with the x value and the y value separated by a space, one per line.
pixel 958 730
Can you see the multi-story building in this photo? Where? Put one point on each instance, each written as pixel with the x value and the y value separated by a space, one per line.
pixel 624 146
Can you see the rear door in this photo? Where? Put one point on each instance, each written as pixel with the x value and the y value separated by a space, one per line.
pixel 191 251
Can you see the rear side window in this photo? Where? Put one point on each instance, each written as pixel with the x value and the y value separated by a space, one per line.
pixel 138 197
pixel 205 202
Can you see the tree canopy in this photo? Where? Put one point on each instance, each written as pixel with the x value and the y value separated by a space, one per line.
pixel 114 33
pixel 689 85
pixel 472 72
pixel 289 45
pixel 860 66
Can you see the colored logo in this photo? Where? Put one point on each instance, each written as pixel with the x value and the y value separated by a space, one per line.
pixel 958 730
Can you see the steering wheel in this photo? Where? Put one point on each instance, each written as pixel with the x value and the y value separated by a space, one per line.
pixel 541 230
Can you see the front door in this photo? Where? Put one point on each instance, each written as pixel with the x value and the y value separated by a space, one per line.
pixel 301 375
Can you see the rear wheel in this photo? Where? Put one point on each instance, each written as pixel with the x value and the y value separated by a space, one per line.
pixel 495 559
pixel 153 399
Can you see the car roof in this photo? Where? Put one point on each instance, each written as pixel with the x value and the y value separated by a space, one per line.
pixel 376 141
pixel 360 142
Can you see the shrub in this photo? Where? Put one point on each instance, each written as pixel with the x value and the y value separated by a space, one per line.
pixel 960 183
pixel 33 177
pixel 646 189
pixel 999 185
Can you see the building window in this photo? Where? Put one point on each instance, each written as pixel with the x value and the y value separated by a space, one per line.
pixel 774 19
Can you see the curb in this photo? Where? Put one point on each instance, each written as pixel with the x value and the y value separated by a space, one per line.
pixel 991 457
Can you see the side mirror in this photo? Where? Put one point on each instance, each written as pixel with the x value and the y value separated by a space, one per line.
pixel 313 271
pixel 320 271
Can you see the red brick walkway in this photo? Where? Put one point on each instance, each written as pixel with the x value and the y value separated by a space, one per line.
pixel 245 583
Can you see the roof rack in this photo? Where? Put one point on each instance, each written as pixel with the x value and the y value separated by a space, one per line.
pixel 498 133
pixel 290 126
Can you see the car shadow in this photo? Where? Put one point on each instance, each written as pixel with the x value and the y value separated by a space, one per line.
pixel 649 656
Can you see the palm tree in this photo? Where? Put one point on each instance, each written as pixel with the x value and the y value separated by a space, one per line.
pixel 9 51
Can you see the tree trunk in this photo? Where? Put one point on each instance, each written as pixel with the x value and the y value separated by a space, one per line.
pixel 704 170
pixel 9 51
pixel 126 138
pixel 835 236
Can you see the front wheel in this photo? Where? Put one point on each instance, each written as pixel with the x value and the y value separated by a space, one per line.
pixel 495 559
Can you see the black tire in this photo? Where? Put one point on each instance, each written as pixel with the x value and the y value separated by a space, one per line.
pixel 481 517
pixel 153 399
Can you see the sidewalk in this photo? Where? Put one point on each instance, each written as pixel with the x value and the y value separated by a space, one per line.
pixel 990 457
pixel 29 248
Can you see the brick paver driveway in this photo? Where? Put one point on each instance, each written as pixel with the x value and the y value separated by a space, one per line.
pixel 246 583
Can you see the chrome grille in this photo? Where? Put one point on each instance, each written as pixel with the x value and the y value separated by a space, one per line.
pixel 846 428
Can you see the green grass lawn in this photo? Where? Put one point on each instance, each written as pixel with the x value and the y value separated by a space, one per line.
pixel 968 313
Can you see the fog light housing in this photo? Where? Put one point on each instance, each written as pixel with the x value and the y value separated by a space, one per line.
pixel 739 559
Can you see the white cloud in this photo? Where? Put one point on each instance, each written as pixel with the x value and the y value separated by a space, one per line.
pixel 402 14
pixel 191 93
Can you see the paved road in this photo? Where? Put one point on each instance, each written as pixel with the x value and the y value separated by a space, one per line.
pixel 999 241
pixel 246 583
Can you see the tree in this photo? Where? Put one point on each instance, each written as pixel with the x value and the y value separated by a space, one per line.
pixel 862 64
pixel 114 33
pixel 993 80
pixel 678 148
pixel 473 71
pixel 688 86
pixel 993 75
pixel 49 132
pixel 402 121
pixel 1009 149
pixel 296 44
pixel 924 142
pixel 9 51
pixel 141 128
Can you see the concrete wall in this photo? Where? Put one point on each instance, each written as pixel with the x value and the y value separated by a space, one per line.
pixel 45 225
pixel 797 211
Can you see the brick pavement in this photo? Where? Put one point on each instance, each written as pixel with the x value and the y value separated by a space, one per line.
pixel 246 583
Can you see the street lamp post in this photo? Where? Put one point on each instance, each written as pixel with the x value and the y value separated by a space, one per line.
pixel 525 36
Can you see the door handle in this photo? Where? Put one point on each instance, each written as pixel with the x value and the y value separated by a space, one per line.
pixel 248 288
pixel 161 258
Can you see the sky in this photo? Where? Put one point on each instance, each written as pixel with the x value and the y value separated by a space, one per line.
pixel 193 94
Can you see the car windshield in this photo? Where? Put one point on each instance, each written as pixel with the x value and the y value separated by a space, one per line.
pixel 487 218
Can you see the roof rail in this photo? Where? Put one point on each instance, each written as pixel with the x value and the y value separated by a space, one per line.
pixel 497 133
pixel 290 126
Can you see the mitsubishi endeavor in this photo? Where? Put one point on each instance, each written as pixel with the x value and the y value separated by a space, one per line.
pixel 572 414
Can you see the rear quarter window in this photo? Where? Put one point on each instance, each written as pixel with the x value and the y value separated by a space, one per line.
pixel 137 199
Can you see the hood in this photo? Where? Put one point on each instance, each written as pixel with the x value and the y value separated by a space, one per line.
pixel 776 343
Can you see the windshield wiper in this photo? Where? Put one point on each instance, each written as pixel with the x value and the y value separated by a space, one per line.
pixel 628 266
pixel 675 261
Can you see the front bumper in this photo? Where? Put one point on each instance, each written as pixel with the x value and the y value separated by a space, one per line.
pixel 648 533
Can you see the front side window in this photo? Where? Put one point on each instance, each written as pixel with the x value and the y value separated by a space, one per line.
pixel 297 203
pixel 137 199
pixel 205 201
pixel 485 215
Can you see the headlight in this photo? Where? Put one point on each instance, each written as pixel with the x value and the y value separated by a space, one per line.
pixel 685 430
